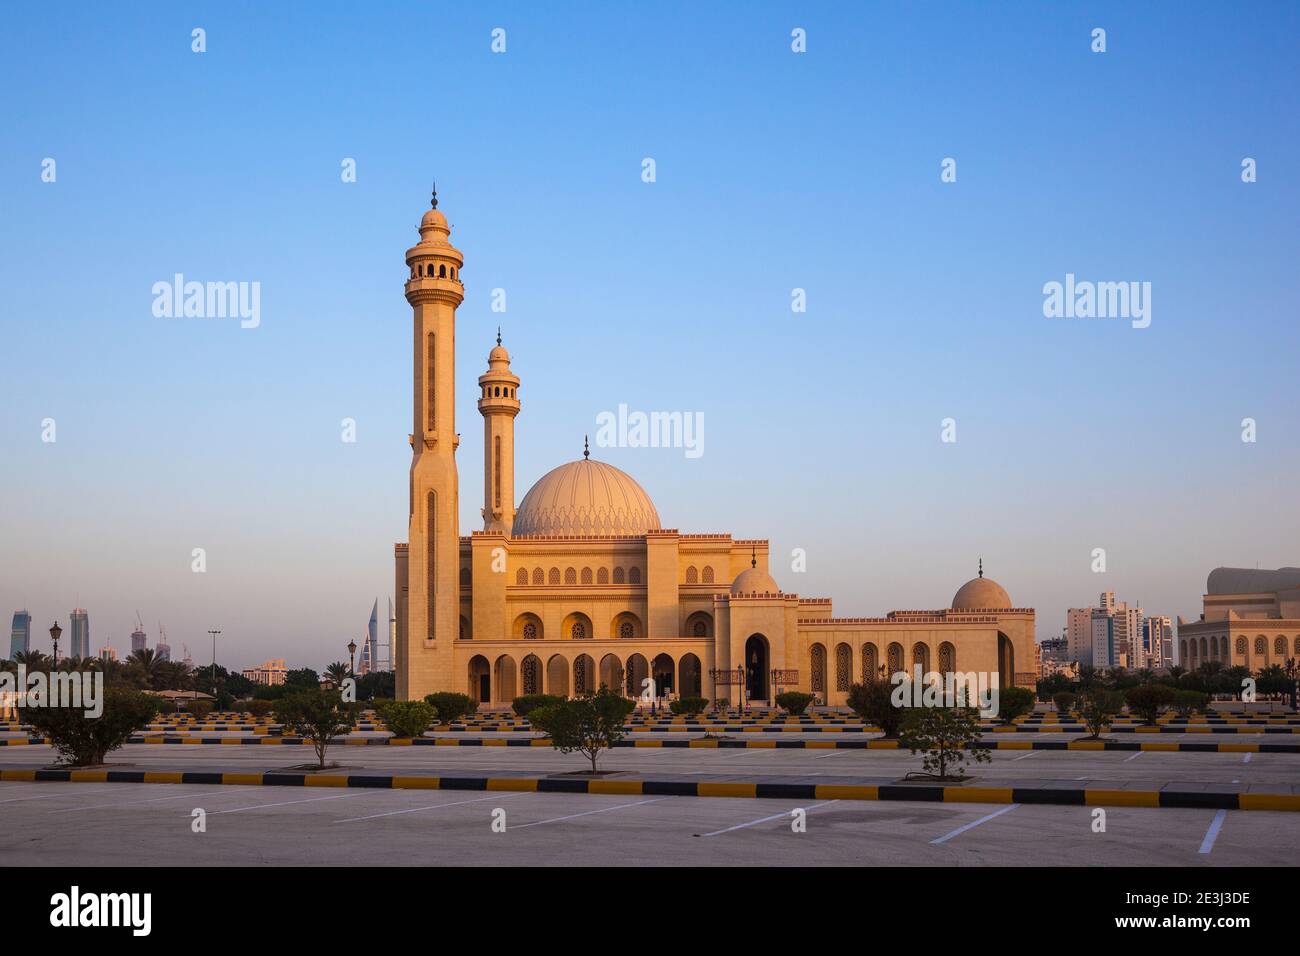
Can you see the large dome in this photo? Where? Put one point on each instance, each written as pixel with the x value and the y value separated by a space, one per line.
pixel 981 594
pixel 586 497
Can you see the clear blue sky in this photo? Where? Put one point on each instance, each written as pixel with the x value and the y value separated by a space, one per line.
pixel 775 171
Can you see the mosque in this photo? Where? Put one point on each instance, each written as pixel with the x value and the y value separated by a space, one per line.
pixel 582 585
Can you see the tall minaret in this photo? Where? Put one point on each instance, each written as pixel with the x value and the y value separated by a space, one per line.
pixel 424 654
pixel 498 404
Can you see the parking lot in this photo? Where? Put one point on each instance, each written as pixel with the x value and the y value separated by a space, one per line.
pixel 122 823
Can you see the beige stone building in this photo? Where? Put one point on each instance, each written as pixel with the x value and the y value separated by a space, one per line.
pixel 1251 618
pixel 581 585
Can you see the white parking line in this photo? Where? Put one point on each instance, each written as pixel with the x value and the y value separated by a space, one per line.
pixel 833 753
pixel 1213 832
pixel 1246 758
pixel 218 791
pixel 775 816
pixel 285 803
pixel 433 806
pixel 37 796
pixel 1027 756
pixel 572 816
pixel 985 819
pixel 1135 756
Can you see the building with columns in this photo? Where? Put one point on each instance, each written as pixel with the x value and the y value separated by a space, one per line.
pixel 581 585
pixel 1250 618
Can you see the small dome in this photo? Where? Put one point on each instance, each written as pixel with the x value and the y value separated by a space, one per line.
pixel 586 497
pixel 979 594
pixel 754 581
pixel 498 354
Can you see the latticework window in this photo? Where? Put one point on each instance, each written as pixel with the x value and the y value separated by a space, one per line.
pixel 818 669
pixel 843 666
pixel 578 631
pixel 530 631
pixel 625 629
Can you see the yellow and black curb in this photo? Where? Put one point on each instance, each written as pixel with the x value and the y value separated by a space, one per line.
pixel 931 793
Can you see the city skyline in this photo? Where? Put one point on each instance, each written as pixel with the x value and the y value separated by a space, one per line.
pixel 176 434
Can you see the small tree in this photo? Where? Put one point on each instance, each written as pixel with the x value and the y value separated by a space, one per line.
pixel 1147 700
pixel 688 705
pixel 945 735
pixel 1188 702
pixel 1064 702
pixel 450 706
pixel 83 740
pixel 526 704
pixel 872 702
pixel 1014 702
pixel 794 702
pixel 409 718
pixel 1098 705
pixel 586 725
pixel 319 716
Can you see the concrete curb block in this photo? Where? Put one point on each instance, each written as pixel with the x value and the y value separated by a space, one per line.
pixel 935 793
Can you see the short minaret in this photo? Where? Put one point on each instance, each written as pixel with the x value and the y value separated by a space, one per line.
pixel 498 404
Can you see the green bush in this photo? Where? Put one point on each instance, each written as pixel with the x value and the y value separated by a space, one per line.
pixel 1098 705
pixel 688 705
pixel 1014 702
pixel 585 724
pixel 409 718
pixel 259 708
pixel 1188 702
pixel 873 704
pixel 1147 700
pixel 1064 701
pixel 198 709
pixel 450 706
pixel 794 702
pixel 83 740
pixel 525 705
pixel 945 735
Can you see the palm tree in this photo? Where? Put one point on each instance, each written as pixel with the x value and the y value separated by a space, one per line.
pixel 337 673
pixel 33 660
pixel 145 663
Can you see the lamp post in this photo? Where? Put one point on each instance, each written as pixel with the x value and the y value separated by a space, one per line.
pixel 214 663
pixel 352 654
pixel 55 631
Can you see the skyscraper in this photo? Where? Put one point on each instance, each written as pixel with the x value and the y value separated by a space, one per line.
pixel 79 633
pixel 139 639
pixel 20 640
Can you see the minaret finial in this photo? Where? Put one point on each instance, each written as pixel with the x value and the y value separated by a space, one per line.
pixel 435 194
pixel 498 335
pixel 586 451
pixel 981 567
pixel 753 556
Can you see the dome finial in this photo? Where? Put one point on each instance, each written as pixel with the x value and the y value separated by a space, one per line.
pixel 434 203
pixel 753 556
pixel 981 567
pixel 498 335
pixel 586 452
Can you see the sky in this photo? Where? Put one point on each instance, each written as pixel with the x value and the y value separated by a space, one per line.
pixel 774 171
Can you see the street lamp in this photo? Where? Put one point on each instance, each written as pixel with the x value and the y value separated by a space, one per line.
pixel 352 653
pixel 55 631
pixel 214 663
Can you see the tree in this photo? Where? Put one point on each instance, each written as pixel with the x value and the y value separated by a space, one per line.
pixel 450 706
pixel 83 740
pixel 143 667
pixel 1098 705
pixel 1014 702
pixel 586 724
pixel 1147 700
pixel 872 702
pixel 337 673
pixel 1188 702
pixel 319 715
pixel 527 703
pixel 409 718
pixel 1064 702
pixel 945 735
pixel 304 678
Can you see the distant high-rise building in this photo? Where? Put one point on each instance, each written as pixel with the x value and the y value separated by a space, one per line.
pixel 163 652
pixel 1112 634
pixel 369 649
pixel 270 672
pixel 108 653
pixel 20 640
pixel 1158 641
pixel 79 633
pixel 139 640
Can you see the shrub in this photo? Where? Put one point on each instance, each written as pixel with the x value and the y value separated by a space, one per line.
pixel 525 705
pixel 259 708
pixel 794 702
pixel 873 703
pixel 688 705
pixel 1098 705
pixel 450 706
pixel 409 718
pixel 198 709
pixel 1014 702
pixel 945 735
pixel 1064 701
pixel 84 740
pixel 585 724
pixel 1147 700
pixel 318 715
pixel 1188 702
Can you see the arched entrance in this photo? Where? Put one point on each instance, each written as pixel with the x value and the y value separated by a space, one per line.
pixel 662 671
pixel 688 672
pixel 637 672
pixel 1006 661
pixel 505 678
pixel 756 667
pixel 557 676
pixel 531 672
pixel 611 673
pixel 480 680
pixel 584 675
